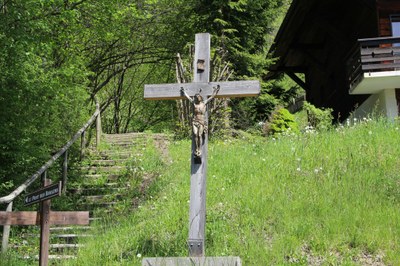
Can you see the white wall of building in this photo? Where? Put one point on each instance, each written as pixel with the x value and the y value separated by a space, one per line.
pixel 383 103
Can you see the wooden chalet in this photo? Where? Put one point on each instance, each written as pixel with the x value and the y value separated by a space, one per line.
pixel 344 53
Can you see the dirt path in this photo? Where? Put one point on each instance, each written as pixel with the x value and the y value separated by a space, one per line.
pixel 162 142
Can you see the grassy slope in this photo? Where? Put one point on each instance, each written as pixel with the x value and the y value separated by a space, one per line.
pixel 319 198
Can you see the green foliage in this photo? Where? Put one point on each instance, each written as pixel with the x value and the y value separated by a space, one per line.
pixel 242 27
pixel 320 119
pixel 281 121
pixel 42 86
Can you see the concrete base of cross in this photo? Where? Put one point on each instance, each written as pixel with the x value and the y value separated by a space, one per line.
pixel 192 261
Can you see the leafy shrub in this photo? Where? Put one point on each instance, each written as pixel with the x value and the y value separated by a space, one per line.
pixel 281 121
pixel 320 119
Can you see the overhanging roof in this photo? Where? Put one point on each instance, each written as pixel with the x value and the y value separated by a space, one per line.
pixel 309 24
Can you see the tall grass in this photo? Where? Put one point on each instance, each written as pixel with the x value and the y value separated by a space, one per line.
pixel 317 198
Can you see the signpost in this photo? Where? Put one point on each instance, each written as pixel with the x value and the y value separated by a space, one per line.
pixel 45 217
pixel 201 86
pixel 45 193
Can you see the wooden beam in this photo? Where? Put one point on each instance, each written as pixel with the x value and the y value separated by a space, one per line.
pixel 296 79
pixel 198 171
pixel 33 218
pixel 247 88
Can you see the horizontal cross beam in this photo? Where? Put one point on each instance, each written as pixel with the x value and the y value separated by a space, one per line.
pixel 228 89
pixel 33 218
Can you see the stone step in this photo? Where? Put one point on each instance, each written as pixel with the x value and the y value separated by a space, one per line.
pixel 60 257
pixel 70 228
pixel 94 205
pixel 103 162
pixel 51 257
pixel 115 153
pixel 95 176
pixel 100 198
pixel 65 246
pixel 72 235
pixel 112 154
pixel 126 142
pixel 69 238
pixel 112 184
pixel 131 135
pixel 102 169
pixel 122 142
pixel 97 190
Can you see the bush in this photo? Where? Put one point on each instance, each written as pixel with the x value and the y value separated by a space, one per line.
pixel 281 121
pixel 320 119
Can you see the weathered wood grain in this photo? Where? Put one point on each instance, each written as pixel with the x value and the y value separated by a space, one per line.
pixel 246 88
pixel 33 218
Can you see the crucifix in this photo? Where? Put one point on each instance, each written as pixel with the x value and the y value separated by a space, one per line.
pixel 199 93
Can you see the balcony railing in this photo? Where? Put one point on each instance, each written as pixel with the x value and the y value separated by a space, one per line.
pixel 373 55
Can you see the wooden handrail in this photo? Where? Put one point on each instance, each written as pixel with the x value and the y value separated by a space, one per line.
pixel 10 197
pixel 379 40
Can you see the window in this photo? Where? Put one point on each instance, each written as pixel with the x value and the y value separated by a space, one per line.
pixel 395 23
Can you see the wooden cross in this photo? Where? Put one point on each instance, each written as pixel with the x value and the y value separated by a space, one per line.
pixel 44 218
pixel 202 86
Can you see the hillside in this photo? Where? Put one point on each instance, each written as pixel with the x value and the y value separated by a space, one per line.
pixel 328 198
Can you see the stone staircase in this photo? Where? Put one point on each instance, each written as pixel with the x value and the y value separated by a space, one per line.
pixel 105 181
pixel 107 178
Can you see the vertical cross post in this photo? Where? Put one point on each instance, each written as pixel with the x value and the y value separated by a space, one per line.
pixel 197 211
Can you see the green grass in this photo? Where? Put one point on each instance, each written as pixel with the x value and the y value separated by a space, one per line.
pixel 331 196
pixel 328 198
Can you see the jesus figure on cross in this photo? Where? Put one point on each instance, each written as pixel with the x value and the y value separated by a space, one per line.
pixel 199 122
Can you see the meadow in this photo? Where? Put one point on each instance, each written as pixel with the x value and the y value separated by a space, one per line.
pixel 315 198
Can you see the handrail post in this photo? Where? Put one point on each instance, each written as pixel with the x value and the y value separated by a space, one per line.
pixel 44 225
pixel 65 172
pixel 83 145
pixel 98 126
pixel 6 231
